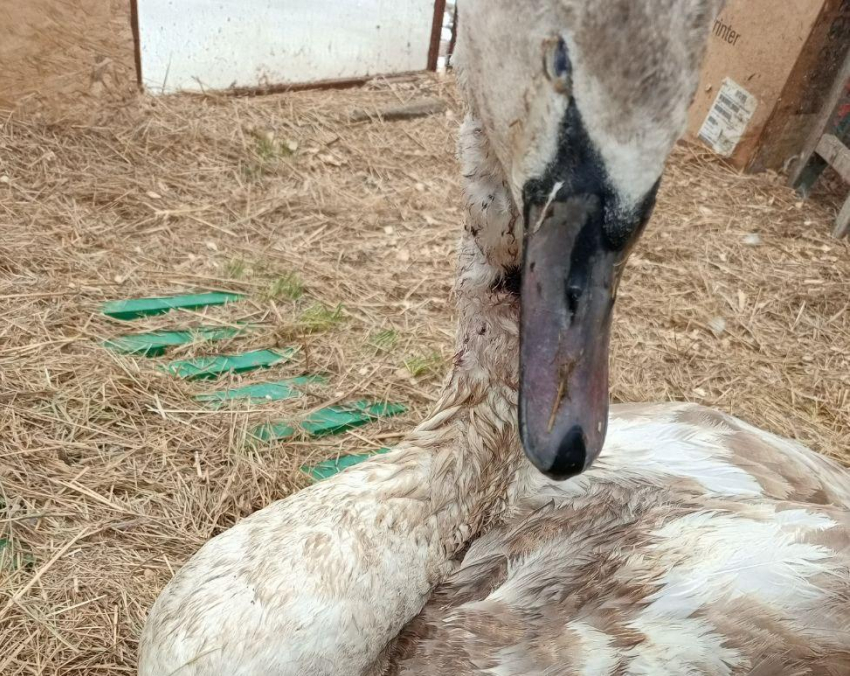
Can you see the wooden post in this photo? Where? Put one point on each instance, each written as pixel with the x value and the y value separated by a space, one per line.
pixel 826 146
pixel 137 41
pixel 802 173
pixel 436 34
pixel 842 225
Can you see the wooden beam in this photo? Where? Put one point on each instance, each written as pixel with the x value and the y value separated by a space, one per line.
pixel 407 111
pixel 842 225
pixel 836 153
pixel 808 175
pixel 137 41
pixel 303 86
pixel 436 34
pixel 819 126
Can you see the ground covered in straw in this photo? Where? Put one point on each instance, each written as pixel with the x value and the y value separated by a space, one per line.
pixel 342 236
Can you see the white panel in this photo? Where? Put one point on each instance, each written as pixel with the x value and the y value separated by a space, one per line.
pixel 216 44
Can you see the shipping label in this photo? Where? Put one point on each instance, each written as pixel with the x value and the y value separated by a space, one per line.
pixel 728 118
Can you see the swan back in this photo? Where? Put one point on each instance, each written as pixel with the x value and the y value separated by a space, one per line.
pixel 697 545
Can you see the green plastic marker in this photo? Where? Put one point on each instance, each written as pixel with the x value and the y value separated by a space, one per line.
pixel 277 391
pixel 330 467
pixel 206 368
pixel 331 420
pixel 156 343
pixel 145 307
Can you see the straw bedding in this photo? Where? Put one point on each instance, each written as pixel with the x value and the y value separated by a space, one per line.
pixel 342 236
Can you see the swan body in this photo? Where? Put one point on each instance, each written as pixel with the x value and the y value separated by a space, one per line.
pixel 695 544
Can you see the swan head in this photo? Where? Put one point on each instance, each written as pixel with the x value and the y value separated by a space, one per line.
pixel 581 102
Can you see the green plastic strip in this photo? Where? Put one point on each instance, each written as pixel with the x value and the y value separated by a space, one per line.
pixel 156 344
pixel 331 420
pixel 145 307
pixel 206 368
pixel 283 389
pixel 330 467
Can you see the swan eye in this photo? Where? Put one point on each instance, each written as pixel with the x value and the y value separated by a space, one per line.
pixel 559 69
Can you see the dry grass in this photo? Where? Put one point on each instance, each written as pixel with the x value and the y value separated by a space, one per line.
pixel 111 476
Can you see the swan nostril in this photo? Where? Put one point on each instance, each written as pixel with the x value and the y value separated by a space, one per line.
pixel 571 455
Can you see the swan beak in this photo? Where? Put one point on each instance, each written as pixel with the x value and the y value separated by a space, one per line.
pixel 569 282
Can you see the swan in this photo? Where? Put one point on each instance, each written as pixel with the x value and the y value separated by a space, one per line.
pixel 696 544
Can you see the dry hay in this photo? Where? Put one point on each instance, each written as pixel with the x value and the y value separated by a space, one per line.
pixel 111 476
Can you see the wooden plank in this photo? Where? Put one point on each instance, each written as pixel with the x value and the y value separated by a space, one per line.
pixel 436 34
pixel 203 46
pixel 137 43
pixel 842 226
pixel 833 151
pixel 823 119
pixel 809 175
pixel 407 111
pixel 836 153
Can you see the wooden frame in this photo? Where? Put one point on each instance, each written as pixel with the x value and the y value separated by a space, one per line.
pixel 436 34
pixel 137 41
pixel 826 146
pixel 433 59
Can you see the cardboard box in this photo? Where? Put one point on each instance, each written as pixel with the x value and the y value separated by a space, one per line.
pixel 768 69
pixel 58 55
